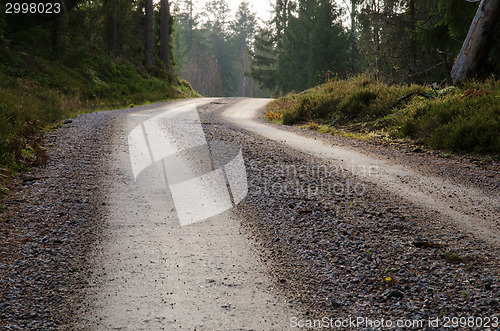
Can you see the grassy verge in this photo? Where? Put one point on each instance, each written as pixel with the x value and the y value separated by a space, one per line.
pixel 465 119
pixel 36 94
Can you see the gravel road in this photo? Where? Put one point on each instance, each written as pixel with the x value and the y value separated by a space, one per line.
pixel 320 242
pixel 343 245
pixel 53 218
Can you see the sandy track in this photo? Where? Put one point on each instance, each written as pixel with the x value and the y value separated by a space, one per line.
pixel 154 274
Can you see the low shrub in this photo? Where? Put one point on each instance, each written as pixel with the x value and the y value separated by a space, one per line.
pixel 465 119
pixel 341 101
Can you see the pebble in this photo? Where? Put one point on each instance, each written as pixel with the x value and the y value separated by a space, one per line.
pixel 322 243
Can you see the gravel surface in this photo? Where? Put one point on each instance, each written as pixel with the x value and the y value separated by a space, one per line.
pixel 340 247
pixel 52 220
pixel 335 246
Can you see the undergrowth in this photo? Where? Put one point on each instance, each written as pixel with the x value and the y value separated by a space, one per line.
pixel 341 101
pixel 465 119
pixel 36 93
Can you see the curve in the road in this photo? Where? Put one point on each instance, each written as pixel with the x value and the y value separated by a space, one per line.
pixel 470 209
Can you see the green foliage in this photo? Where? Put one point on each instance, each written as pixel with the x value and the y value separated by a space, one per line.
pixel 32 88
pixel 342 101
pixel 465 119
pixel 263 61
pixel 453 14
pixel 55 67
pixel 410 40
pixel 3 22
pixel 303 41
pixel 329 43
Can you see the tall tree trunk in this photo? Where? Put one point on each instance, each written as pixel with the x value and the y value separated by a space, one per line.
pixel 477 43
pixel 114 41
pixel 191 23
pixel 376 38
pixel 354 49
pixel 165 34
pixel 59 27
pixel 149 50
pixel 413 46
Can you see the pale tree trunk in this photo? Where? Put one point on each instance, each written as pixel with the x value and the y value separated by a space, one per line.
pixel 165 34
pixel 149 50
pixel 477 43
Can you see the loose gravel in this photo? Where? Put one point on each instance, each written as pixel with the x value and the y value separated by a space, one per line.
pixel 335 246
pixel 339 247
pixel 52 219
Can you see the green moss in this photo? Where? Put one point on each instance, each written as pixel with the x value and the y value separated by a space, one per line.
pixel 468 121
pixel 342 101
pixel 32 88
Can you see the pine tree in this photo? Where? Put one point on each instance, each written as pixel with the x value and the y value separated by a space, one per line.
pixel 314 42
pixel 263 64
pixel 243 31
pixel 293 50
pixel 329 43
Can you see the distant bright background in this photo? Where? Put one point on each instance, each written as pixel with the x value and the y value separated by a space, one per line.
pixel 262 8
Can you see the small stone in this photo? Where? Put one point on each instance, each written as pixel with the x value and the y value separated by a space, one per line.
pixel 392 293
pixel 336 303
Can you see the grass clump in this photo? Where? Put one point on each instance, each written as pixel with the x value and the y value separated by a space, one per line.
pixel 341 101
pixel 467 120
pixel 453 257
pixel 458 119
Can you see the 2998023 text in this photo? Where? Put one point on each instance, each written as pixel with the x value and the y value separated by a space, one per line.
pixel 32 8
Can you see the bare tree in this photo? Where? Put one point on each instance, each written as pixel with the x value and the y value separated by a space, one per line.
pixel 477 43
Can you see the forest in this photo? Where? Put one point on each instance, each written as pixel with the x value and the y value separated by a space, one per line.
pixel 307 42
pixel 212 47
pixel 82 56
pixel 405 72
pixel 221 53
pixel 103 54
